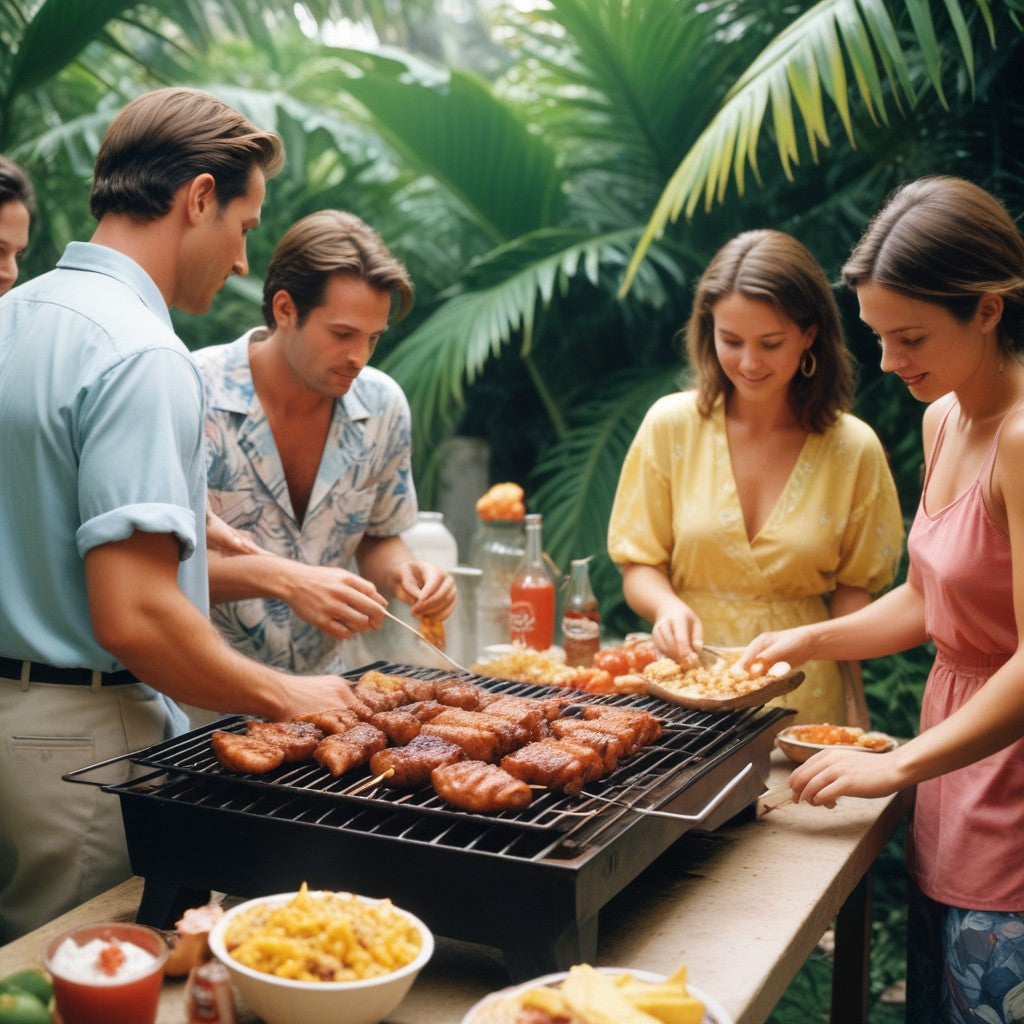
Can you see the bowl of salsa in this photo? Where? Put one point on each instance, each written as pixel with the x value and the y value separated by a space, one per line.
pixel 799 742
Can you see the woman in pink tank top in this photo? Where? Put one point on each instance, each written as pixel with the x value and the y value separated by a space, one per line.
pixel 939 275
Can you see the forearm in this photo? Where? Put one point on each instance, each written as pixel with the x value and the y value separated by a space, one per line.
pixel 649 592
pixel 845 600
pixel 378 559
pixel 237 577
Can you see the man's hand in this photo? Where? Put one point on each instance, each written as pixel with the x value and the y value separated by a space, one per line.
pixel 334 600
pixel 426 588
pixel 222 539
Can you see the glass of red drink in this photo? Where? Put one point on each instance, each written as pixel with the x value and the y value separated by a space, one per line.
pixel 107 973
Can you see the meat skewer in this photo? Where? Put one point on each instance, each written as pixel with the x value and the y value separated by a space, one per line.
pixel 412 764
pixel 347 750
pixel 480 787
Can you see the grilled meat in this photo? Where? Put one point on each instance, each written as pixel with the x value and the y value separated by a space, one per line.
pixel 609 745
pixel 298 740
pixel 525 713
pixel 347 750
pixel 646 728
pixel 478 744
pixel 480 787
pixel 412 764
pixel 246 753
pixel 331 721
pixel 544 764
pixel 593 763
pixel 510 734
pixel 400 726
pixel 460 695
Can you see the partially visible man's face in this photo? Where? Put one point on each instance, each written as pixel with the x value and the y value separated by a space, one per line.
pixel 338 337
pixel 217 249
pixel 14 223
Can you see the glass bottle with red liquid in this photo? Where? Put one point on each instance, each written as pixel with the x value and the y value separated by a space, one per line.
pixel 533 594
pixel 581 618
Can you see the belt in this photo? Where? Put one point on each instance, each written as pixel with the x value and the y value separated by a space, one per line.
pixel 11 668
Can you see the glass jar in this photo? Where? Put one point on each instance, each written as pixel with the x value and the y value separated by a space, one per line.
pixel 431 541
pixel 497 551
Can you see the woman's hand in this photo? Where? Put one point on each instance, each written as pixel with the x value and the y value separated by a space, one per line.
pixel 830 774
pixel 677 632
pixel 790 645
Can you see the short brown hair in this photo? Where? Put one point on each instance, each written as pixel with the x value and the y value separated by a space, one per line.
pixel 947 241
pixel 15 186
pixel 165 138
pixel 326 243
pixel 773 267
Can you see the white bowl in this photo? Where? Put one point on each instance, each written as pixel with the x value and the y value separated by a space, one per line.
pixel 714 1012
pixel 284 1001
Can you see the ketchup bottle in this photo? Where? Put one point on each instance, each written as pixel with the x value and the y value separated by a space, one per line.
pixel 533 594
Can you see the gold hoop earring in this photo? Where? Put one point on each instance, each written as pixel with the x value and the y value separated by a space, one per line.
pixel 808 363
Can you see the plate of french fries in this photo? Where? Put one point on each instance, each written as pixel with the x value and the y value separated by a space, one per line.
pixel 721 686
pixel 600 995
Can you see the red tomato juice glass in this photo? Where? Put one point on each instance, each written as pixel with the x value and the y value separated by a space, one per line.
pixel 122 992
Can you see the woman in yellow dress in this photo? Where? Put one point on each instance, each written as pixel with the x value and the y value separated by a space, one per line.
pixel 756 501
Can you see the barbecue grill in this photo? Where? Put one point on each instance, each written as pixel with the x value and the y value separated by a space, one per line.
pixel 529 882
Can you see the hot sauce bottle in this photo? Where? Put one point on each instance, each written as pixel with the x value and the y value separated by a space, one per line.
pixel 533 594
pixel 581 619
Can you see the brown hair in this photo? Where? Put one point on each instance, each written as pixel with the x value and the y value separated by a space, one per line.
pixel 332 242
pixel 946 241
pixel 773 267
pixel 15 186
pixel 165 138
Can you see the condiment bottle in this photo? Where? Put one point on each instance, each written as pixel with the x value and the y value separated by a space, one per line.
pixel 429 540
pixel 209 997
pixel 581 618
pixel 532 594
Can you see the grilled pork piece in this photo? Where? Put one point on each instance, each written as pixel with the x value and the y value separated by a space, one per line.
pixel 347 750
pixel 478 744
pixel 400 726
pixel 425 710
pixel 403 687
pixel 413 763
pixel 511 736
pixel 544 764
pixel 549 707
pixel 593 763
pixel 246 753
pixel 459 695
pixel 332 720
pixel 609 745
pixel 298 740
pixel 644 726
pixel 480 787
pixel 525 712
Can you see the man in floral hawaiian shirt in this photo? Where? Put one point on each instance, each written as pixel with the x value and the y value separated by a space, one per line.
pixel 309 454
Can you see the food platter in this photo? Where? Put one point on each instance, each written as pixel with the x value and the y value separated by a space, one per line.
pixel 488 1009
pixel 718 688
pixel 795 743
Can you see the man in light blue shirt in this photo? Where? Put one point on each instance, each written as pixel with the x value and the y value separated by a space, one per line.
pixel 102 508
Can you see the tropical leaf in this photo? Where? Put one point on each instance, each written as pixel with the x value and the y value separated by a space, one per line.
pixel 807 58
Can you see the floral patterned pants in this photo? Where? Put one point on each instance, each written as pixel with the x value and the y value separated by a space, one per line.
pixel 963 966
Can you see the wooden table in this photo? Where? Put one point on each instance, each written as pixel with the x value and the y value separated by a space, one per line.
pixel 743 908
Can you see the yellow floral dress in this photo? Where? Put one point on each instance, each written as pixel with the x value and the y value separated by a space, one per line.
pixel 837 521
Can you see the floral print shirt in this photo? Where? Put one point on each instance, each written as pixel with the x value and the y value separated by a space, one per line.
pixel 364 486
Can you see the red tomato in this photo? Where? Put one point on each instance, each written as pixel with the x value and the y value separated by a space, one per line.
pixel 613 661
pixel 598 681
pixel 641 654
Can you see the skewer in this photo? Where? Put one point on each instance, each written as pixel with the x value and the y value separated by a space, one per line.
pixel 369 783
pixel 775 798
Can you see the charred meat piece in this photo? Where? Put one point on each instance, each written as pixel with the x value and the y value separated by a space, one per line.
pixel 480 787
pixel 331 721
pixel 549 707
pixel 401 689
pixel 511 736
pixel 609 745
pixel 455 694
pixel 478 744
pixel 425 710
pixel 412 764
pixel 377 699
pixel 400 726
pixel 347 750
pixel 298 740
pixel 593 763
pixel 523 711
pixel 646 728
pixel 246 753
pixel 545 764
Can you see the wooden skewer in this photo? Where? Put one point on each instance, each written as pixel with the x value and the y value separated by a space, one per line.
pixel 369 783
pixel 774 798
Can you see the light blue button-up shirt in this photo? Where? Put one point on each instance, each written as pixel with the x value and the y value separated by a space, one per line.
pixel 101 413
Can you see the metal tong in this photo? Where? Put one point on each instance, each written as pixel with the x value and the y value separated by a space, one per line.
pixel 709 655
pixel 415 632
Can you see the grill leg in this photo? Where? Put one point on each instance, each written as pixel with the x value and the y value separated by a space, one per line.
pixel 527 958
pixel 163 903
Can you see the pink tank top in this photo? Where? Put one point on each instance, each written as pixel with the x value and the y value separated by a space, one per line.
pixel 967 833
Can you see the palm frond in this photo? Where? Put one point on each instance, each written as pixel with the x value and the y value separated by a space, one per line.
pixel 500 297
pixel 808 58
